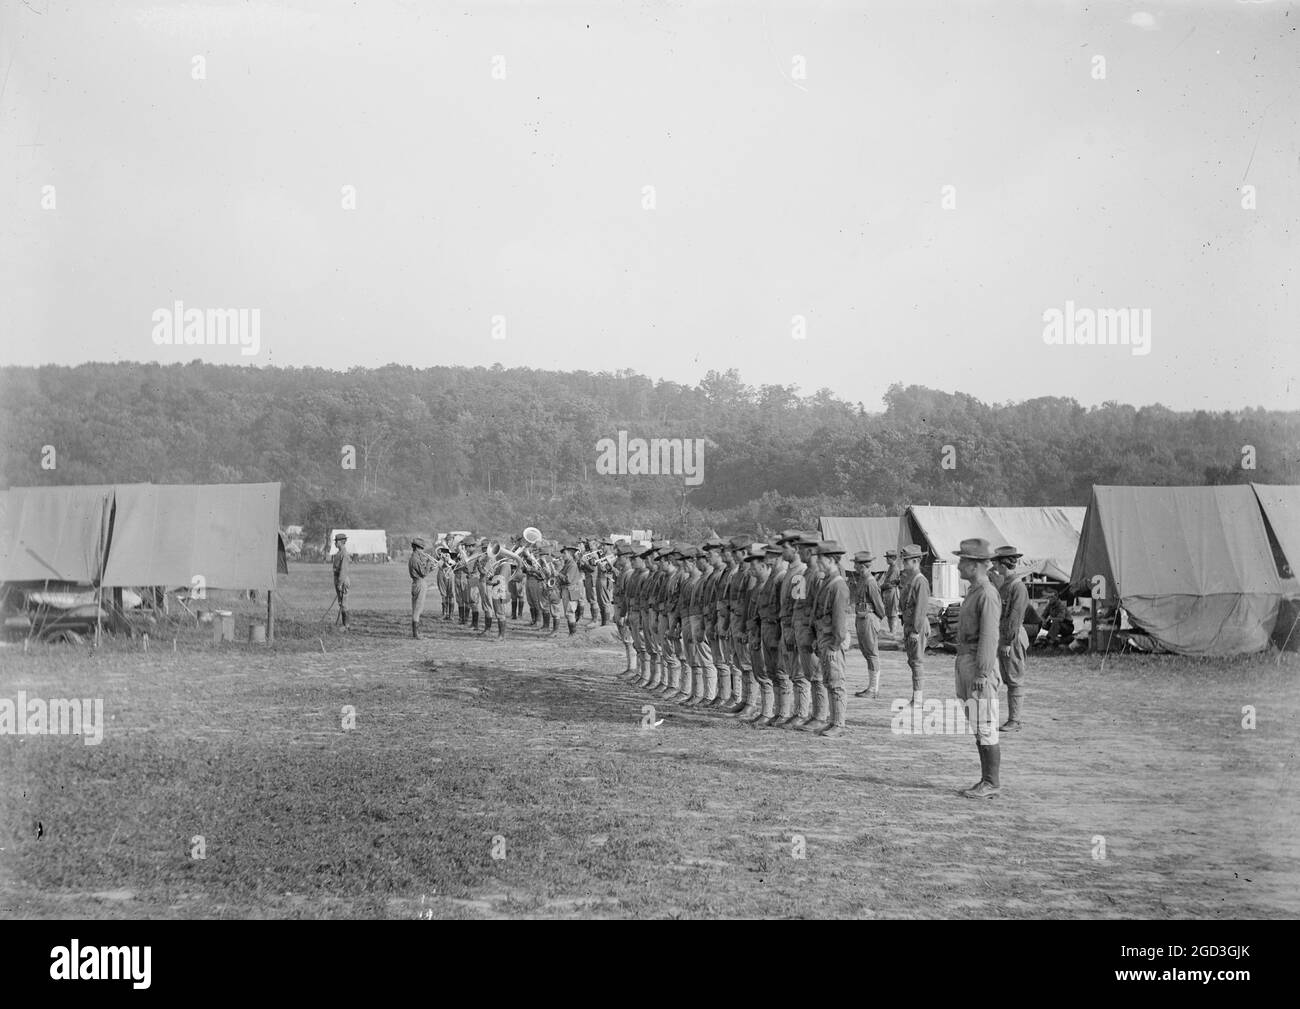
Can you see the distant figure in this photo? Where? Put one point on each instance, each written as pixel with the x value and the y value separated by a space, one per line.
pixel 341 576
pixel 915 592
pixel 1059 623
pixel 889 589
pixel 418 567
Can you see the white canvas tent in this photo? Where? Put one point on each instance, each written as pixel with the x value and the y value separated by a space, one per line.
pixel 1048 536
pixel 361 542
pixel 856 533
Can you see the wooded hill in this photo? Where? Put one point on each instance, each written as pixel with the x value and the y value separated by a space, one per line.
pixel 495 449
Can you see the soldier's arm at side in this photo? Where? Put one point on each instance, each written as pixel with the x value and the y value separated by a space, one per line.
pixel 989 612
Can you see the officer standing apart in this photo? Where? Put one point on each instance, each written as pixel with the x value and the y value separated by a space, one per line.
pixel 1013 641
pixel 418 567
pixel 915 591
pixel 342 564
pixel 977 661
pixel 868 607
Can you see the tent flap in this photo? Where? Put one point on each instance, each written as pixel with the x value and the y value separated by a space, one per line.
pixel 54 533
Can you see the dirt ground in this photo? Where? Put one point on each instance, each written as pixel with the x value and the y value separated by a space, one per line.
pixel 532 750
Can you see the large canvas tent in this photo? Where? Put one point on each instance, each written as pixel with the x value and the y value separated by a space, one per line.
pixel 862 533
pixel 225 534
pixel 1048 536
pixel 1281 507
pixel 1191 565
pixel 55 534
pixel 142 534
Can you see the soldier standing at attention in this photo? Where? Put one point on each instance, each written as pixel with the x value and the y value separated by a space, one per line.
pixel 868 607
pixel 650 609
pixel 685 594
pixel 769 606
pixel 342 579
pixel 713 605
pixel 756 562
pixel 809 691
pixel 915 592
pixel 655 613
pixel 632 612
pixel 706 678
pixel 977 661
pixel 1013 641
pixel 618 590
pixel 889 589
pixel 418 567
pixel 669 629
pixel 570 585
pixel 791 584
pixel 831 616
pixel 737 600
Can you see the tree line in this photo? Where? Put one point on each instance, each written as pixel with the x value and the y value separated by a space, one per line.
pixel 497 449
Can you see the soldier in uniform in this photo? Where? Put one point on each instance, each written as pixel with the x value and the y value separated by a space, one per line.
pixel 418 567
pixel 570 585
pixel 831 618
pixel 669 628
pixel 654 613
pixel 770 630
pixel 618 583
pixel 713 607
pixel 605 581
pixel 444 581
pixel 792 583
pixel 685 596
pixel 632 613
pixel 1013 642
pixel 915 603
pixel 978 679
pixel 757 570
pixel 460 584
pixel 500 573
pixel 587 565
pixel 809 690
pixel 702 613
pixel 890 590
pixel 342 579
pixel 533 578
pixel 868 607
pixel 737 595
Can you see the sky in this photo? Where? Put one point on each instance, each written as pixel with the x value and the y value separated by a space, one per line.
pixel 843 195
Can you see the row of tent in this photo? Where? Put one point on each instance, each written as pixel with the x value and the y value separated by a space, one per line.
pixel 124 535
pixel 1201 570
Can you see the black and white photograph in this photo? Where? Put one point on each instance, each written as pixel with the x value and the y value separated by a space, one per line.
pixel 676 459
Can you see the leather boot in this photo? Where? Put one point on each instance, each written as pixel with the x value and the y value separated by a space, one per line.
pixel 501 629
pixel 984 768
pixel 994 773
pixel 802 705
pixel 767 713
pixel 684 691
pixel 487 622
pixel 752 699
pixel 415 629
pixel 1013 710
pixel 785 709
pixel 627 651
pixel 722 698
pixel 473 620
pixel 656 672
pixel 989 786
pixel 819 708
pixel 836 726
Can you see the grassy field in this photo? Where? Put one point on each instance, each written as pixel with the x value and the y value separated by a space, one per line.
pixel 462 744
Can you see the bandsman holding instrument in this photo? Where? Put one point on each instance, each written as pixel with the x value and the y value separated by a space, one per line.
pixel 419 568
pixel 605 580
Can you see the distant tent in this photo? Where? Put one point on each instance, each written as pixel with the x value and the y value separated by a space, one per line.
pixel 1048 536
pixel 54 533
pixel 361 541
pixel 1191 565
pixel 862 533
pixel 227 534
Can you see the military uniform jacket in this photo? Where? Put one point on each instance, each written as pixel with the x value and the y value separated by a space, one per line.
pixel 868 598
pixel 342 564
pixel 619 588
pixel 769 601
pixel 419 566
pixel 831 612
pixel 1014 598
pixel 742 582
pixel 673 597
pixel 754 609
pixel 916 605
pixel 802 615
pixel 977 626
pixel 790 583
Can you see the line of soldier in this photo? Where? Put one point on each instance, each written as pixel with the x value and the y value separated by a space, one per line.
pixel 759 630
pixel 750 628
